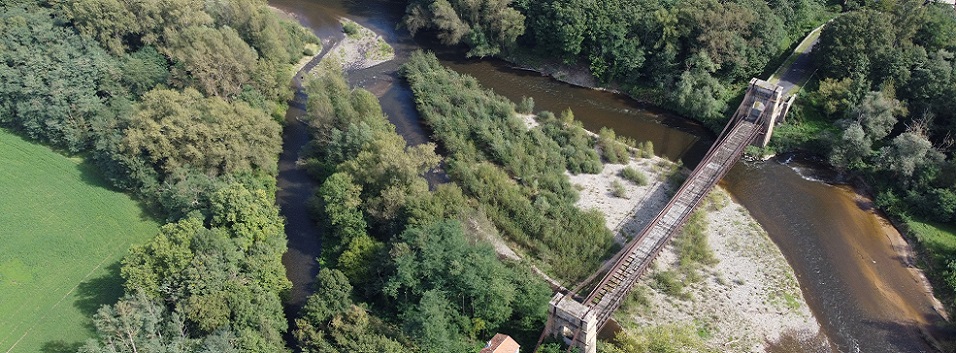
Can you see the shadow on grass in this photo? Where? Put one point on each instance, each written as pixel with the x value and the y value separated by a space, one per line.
pixel 96 292
pixel 60 347
pixel 91 174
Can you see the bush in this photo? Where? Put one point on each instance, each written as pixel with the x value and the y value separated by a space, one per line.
pixel 647 149
pixel 667 282
pixel 618 190
pixel 612 150
pixel 633 175
pixel 526 106
pixel 516 174
pixel 350 28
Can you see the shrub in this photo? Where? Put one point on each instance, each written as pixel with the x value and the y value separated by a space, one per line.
pixel 633 175
pixel 350 28
pixel 667 282
pixel 618 190
pixel 647 149
pixel 612 150
pixel 526 106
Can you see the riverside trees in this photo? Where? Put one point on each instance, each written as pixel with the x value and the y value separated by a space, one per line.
pixel 687 52
pixel 887 92
pixel 404 267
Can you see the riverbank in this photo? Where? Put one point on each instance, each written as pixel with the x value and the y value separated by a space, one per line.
pixel 746 301
pixel 361 48
pixel 899 246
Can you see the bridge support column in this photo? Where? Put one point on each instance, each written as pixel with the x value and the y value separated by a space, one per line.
pixel 574 323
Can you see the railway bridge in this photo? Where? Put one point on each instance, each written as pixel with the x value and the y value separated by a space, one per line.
pixel 577 319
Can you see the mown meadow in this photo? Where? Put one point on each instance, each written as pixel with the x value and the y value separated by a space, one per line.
pixel 62 235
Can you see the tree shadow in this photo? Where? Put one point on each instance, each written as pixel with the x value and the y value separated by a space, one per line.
pixel 96 292
pixel 905 337
pixel 60 346
pixel 92 175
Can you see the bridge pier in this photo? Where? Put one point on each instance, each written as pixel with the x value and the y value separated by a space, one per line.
pixel 768 96
pixel 573 322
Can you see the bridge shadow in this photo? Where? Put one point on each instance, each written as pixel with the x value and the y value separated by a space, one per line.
pixel 646 211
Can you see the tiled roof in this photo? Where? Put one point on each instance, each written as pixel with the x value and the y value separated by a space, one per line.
pixel 501 343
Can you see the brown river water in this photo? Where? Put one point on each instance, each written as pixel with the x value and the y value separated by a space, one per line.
pixel 851 265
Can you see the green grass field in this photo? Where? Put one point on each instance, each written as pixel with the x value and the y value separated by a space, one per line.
pixel 62 234
pixel 938 239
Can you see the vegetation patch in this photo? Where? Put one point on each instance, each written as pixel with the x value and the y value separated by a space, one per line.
pixel 518 175
pixel 65 231
pixel 633 175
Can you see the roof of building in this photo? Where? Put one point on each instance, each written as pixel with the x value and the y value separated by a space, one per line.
pixel 501 343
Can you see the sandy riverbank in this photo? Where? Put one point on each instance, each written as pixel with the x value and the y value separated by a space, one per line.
pixel 748 299
pixel 361 49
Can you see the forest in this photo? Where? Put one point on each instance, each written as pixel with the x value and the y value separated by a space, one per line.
pixel 880 109
pixel 404 266
pixel 695 56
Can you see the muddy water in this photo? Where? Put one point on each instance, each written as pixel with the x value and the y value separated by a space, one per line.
pixel 847 262
pixel 850 262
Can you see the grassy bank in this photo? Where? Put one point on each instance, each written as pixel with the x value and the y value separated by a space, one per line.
pixel 938 244
pixel 64 233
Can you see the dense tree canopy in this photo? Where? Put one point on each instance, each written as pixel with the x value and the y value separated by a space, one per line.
pixel 173 130
pixel 56 85
pixel 516 173
pixel 645 46
pixel 486 26
pixel 400 271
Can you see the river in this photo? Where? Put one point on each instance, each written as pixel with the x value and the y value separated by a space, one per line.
pixel 847 259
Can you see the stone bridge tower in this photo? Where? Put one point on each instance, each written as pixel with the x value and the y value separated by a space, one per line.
pixel 573 322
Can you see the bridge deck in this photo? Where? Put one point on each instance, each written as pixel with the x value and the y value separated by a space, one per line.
pixel 611 291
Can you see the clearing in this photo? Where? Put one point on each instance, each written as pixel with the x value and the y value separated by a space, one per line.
pixel 62 234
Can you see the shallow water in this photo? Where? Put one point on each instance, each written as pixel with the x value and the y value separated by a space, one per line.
pixel 865 296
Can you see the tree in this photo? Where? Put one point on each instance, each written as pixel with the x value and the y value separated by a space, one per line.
pixel 443 276
pixel 217 58
pixel 486 25
pixel 700 94
pixel 853 149
pixel 107 21
pixel 853 41
pixel 138 324
pixel 57 85
pixel 144 69
pixel 876 114
pixel 172 130
pixel 906 152
pixel 389 172
pixel 331 323
pixel 341 198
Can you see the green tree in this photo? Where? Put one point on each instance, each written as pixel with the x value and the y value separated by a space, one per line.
pixel 217 59
pixel 172 130
pixel 57 85
pixel 144 69
pixel 852 42
pixel 876 114
pixel 853 149
pixel 487 26
pixel 906 152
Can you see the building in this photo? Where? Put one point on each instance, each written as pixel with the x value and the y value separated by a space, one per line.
pixel 501 343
